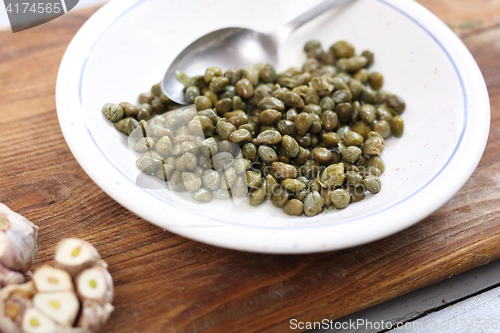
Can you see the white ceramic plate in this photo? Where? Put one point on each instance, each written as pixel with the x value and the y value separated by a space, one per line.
pixel 125 47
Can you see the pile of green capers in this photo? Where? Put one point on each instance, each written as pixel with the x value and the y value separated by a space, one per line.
pixel 305 139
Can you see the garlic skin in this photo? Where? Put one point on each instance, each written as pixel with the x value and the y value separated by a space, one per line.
pixel 18 240
pixel 93 316
pixel 8 277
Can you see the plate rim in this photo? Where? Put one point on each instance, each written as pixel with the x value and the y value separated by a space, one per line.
pixel 221 237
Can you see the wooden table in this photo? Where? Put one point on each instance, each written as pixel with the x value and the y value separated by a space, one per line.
pixel 167 283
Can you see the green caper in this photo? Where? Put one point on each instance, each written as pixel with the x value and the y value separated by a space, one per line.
pixel 191 93
pixel 397 126
pixel 222 160
pixel 211 180
pixel 228 178
pixel 149 162
pixel 257 196
pixel 367 113
pixel 128 109
pixel 187 161
pixel 343 49
pixel 330 139
pixel 323 156
pixel 244 88
pixel 361 75
pixel 269 116
pixel 202 103
pixel 372 184
pixel 218 83
pixel 333 175
pixel 269 137
pixel 303 123
pixel 267 154
pixel 284 170
pixel 112 111
pixel 222 193
pixel 311 44
pixel 144 144
pixel 293 100
pixel 240 136
pixel 302 156
pixel 354 178
pixel 351 154
pixel 123 125
pixel 384 114
pixel 279 196
pixel 191 181
pixel 340 198
pixel 373 146
pixel 357 193
pixel 396 103
pixel 294 207
pixel 228 92
pixel 383 128
pixel 224 129
pixel 351 138
pixel 356 62
pixel 202 195
pixel 313 204
pixel 249 151
pixel 376 80
pixel 241 165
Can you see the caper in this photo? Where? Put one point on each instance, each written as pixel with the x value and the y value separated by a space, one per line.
pixel 211 180
pixel 383 128
pixel 323 156
pixel 241 165
pixel 376 80
pixel 302 156
pixel 149 162
pixel 330 139
pixel 269 137
pixel 123 125
pixel 313 204
pixel 284 170
pixel 396 103
pixel 373 146
pixel 112 111
pixel 303 123
pixel 293 100
pixel 372 184
pixel 367 113
pixel 351 138
pixel 222 160
pixel 351 154
pixel 240 136
pixel 244 88
pixel 191 93
pixel 228 92
pixel 187 161
pixel 191 181
pixel 202 195
pixel 267 154
pixel 202 103
pixel 333 175
pixel 343 49
pixel 249 151
pixel 228 178
pixel 340 198
pixel 279 196
pixel 144 144
pixel 294 207
pixel 257 196
pixel 222 193
pixel 354 178
pixel 269 117
pixel 397 126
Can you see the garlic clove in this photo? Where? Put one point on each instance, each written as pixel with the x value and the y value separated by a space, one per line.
pixel 74 255
pixel 49 279
pixel 62 306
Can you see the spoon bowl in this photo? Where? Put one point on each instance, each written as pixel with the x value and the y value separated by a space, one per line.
pixel 224 48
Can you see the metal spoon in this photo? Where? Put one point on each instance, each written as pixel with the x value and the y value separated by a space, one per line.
pixel 233 47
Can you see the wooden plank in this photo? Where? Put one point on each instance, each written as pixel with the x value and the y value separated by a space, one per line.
pixel 166 283
pixel 412 306
pixel 480 313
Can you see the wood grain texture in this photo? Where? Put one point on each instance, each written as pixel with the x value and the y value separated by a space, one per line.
pixel 167 283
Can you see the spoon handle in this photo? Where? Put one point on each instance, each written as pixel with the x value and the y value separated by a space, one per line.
pixel 284 32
